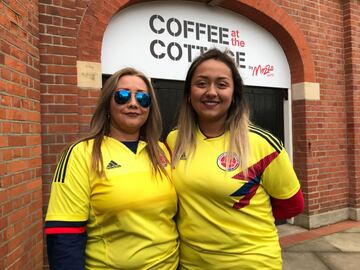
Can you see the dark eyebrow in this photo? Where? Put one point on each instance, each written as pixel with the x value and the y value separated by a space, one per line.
pixel 219 78
pixel 202 77
pixel 224 78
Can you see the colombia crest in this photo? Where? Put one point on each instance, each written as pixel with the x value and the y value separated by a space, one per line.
pixel 233 161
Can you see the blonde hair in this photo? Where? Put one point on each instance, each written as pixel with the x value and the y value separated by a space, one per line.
pixel 149 132
pixel 237 120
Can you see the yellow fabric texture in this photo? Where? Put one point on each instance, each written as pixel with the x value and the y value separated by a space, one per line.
pixel 225 221
pixel 129 214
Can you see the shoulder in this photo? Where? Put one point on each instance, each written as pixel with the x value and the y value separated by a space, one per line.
pixel 171 138
pixel 260 137
pixel 77 151
pixel 79 147
pixel 75 157
pixel 173 133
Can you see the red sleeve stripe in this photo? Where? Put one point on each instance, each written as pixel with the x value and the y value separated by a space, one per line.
pixel 284 209
pixel 65 230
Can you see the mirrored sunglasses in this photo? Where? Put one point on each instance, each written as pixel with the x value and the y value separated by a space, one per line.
pixel 123 96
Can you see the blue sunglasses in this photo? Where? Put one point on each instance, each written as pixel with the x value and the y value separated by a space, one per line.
pixel 123 96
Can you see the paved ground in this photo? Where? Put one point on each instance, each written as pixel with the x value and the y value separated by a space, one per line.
pixel 333 247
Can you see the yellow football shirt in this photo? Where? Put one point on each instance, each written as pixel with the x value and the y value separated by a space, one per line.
pixel 225 220
pixel 129 214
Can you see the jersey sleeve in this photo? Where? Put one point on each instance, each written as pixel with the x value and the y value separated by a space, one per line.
pixel 70 188
pixel 66 251
pixel 284 209
pixel 279 178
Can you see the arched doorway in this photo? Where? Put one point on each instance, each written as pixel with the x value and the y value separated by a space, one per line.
pixel 269 15
pixel 167 36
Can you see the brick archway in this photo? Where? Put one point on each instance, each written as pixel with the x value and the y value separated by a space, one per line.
pixel 264 13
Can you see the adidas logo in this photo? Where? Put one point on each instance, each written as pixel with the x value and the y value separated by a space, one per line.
pixel 112 165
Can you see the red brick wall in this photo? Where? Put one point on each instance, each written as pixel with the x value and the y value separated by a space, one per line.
pixel 319 133
pixel 58 82
pixel 21 238
pixel 352 93
pixel 320 129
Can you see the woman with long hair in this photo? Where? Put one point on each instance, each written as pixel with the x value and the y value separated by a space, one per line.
pixel 232 178
pixel 112 202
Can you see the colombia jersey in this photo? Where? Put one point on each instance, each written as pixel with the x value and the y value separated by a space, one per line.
pixel 225 219
pixel 129 214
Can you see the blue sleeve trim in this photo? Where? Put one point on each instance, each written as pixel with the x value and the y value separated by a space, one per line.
pixel 56 224
pixel 66 251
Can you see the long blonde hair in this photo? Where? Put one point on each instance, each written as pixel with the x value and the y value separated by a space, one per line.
pixel 237 120
pixel 149 132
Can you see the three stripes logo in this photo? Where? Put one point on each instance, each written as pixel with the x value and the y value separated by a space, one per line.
pixel 112 165
pixel 60 171
pixel 271 139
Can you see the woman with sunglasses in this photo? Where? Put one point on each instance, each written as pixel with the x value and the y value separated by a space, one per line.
pixel 112 203
pixel 231 178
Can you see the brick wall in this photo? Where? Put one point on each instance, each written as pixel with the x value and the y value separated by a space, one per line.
pixel 59 93
pixel 321 128
pixel 351 36
pixel 319 125
pixel 21 239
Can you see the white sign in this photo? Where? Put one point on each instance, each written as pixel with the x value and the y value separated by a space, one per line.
pixel 162 38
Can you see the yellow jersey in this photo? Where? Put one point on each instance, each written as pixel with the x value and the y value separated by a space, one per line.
pixel 129 213
pixel 225 219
